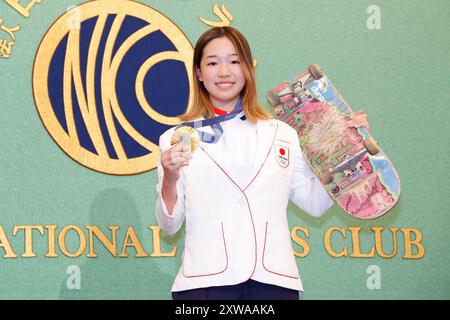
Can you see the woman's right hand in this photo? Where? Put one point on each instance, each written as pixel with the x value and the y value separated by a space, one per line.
pixel 173 160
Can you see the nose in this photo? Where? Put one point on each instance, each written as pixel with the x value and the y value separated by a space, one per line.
pixel 224 70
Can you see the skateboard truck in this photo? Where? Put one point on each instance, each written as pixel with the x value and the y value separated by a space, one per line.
pixel 299 93
pixel 351 165
pixel 297 90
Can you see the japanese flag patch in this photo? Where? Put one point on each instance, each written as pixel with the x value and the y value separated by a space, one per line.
pixel 282 155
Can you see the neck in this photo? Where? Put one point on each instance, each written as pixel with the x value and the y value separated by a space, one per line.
pixel 228 107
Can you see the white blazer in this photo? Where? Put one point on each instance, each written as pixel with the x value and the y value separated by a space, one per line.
pixel 237 231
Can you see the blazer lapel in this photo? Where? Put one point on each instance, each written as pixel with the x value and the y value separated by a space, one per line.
pixel 266 131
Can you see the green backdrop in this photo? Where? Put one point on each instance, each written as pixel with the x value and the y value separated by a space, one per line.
pixel 398 74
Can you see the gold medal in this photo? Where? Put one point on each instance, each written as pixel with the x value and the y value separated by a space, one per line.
pixel 186 136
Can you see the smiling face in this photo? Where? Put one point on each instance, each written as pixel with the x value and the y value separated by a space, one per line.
pixel 221 73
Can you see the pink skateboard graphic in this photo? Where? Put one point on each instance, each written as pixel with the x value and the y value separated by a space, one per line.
pixel 349 163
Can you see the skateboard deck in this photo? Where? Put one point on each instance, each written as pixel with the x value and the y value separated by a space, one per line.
pixel 354 170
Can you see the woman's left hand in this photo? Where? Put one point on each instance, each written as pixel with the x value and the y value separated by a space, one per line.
pixel 359 119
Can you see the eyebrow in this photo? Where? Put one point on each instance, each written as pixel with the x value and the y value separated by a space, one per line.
pixel 215 56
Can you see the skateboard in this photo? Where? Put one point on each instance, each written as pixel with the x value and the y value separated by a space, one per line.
pixel 348 161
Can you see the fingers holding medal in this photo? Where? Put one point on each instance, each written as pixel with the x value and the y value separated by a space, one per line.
pixel 176 157
pixel 184 141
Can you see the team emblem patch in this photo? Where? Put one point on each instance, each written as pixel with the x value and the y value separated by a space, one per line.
pixel 282 155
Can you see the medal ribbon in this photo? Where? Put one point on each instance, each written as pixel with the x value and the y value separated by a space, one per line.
pixel 214 123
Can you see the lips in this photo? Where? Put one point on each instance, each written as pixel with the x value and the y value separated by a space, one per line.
pixel 224 84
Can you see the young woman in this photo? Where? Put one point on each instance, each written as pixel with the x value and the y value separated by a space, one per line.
pixel 232 191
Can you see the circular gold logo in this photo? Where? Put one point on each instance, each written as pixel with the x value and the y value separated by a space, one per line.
pixel 110 76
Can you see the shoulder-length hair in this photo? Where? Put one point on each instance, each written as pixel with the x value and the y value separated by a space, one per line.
pixel 201 104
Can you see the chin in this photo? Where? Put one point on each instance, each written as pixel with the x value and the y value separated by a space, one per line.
pixel 226 100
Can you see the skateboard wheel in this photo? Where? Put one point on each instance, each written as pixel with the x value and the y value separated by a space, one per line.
pixel 325 176
pixel 279 110
pixel 315 71
pixel 371 145
pixel 273 99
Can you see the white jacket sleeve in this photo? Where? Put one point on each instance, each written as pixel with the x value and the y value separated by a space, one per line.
pixel 170 223
pixel 306 190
